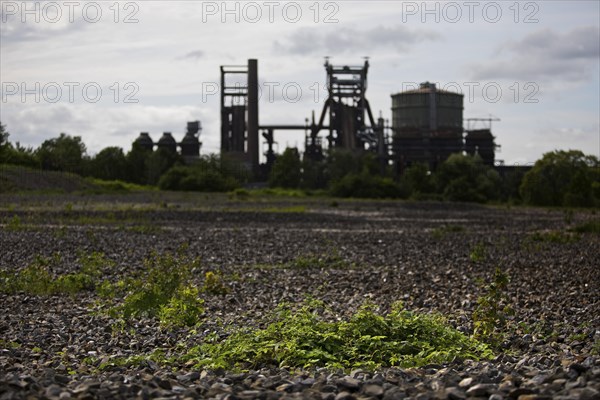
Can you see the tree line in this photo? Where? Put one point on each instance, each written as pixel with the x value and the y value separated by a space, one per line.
pixel 560 178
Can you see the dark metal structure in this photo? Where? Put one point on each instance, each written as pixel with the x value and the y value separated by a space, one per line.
pixel 479 139
pixel 346 106
pixel 239 113
pixel 348 110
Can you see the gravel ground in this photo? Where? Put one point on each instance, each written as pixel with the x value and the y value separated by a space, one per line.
pixel 51 346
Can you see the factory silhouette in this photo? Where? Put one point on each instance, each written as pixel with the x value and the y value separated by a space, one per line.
pixel 427 124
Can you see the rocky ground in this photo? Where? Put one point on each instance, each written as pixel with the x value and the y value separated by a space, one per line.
pixel 52 346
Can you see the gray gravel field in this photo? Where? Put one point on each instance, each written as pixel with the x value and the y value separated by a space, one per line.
pixel 420 253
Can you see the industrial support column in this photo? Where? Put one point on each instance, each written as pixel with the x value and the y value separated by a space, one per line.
pixel 253 115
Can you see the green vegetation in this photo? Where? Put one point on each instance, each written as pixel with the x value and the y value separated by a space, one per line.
pixel 466 178
pixel 36 278
pixel 491 317
pixel 213 284
pixel 209 174
pixel 163 291
pixel 307 338
pixel 563 178
pixel 286 172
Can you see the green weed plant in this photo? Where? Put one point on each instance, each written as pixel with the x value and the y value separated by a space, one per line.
pixel 306 338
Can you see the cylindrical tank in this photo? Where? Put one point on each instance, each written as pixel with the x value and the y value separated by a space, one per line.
pixel 167 142
pixel 427 125
pixel 427 110
pixel 145 141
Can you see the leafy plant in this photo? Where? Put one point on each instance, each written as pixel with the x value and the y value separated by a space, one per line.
pixel 308 338
pixel 163 292
pixel 491 317
pixel 213 283
pixel 184 308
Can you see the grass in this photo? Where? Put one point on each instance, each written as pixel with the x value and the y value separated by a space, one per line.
pixel 309 337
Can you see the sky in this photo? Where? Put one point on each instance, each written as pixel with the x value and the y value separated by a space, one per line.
pixel 108 70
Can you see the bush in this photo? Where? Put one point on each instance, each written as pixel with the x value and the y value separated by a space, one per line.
pixel 364 185
pixel 196 178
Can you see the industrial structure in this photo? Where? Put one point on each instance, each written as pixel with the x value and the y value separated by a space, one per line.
pixel 189 145
pixel 346 106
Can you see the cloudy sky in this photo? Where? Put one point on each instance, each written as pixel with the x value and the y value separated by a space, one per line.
pixel 107 70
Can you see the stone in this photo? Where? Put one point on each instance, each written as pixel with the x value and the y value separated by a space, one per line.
pixel 465 382
pixel 348 383
pixel 481 389
pixel 454 393
pixel 373 390
pixel 345 396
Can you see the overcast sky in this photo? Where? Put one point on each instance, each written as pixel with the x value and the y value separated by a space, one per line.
pixel 534 65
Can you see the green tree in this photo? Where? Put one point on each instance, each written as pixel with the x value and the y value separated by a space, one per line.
pixel 561 178
pixel 417 179
pixel 466 178
pixel 17 154
pixel 136 159
pixel 287 170
pixel 110 164
pixel 159 162
pixel 64 153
